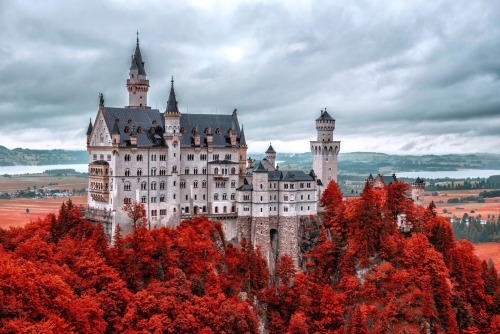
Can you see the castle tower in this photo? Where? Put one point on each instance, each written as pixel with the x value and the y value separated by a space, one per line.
pixel 172 137
pixel 325 151
pixel 417 191
pixel 271 156
pixel 137 83
pixel 260 212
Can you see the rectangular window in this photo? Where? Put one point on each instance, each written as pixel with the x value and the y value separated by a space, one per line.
pixel 153 213
pixel 163 212
pixel 108 157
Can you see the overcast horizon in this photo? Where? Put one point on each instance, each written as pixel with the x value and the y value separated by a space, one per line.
pixel 405 77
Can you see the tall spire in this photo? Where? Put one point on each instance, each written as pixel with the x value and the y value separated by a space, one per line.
pixel 242 137
pixel 137 62
pixel 89 129
pixel 172 101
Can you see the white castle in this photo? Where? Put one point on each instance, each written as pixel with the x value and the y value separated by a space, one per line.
pixel 185 165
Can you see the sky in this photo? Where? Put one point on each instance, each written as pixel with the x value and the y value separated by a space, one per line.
pixel 404 77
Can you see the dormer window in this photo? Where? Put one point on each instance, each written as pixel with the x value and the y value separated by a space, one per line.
pixel 207 131
pixel 217 132
pixel 139 129
pixel 132 76
pixel 193 131
pixel 182 130
pixel 126 130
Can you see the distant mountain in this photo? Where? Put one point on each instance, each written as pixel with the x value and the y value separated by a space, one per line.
pixel 364 163
pixel 27 157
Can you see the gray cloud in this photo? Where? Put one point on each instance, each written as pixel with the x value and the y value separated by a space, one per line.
pixel 415 77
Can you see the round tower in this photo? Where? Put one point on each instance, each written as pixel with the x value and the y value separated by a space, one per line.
pixel 325 151
pixel 417 191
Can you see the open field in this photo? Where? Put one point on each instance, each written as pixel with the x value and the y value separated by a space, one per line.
pixel 490 207
pixel 13 211
pixel 489 250
pixel 22 182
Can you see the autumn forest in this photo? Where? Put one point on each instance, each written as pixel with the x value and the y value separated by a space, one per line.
pixel 380 265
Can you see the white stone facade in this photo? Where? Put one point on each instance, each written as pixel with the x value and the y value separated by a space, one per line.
pixel 180 166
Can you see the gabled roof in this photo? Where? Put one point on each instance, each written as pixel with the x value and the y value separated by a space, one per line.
pixel 260 168
pixel 270 149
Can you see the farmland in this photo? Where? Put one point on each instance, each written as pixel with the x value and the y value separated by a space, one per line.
pixel 13 211
pixel 490 208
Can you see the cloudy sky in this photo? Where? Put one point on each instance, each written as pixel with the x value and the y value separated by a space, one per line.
pixel 398 76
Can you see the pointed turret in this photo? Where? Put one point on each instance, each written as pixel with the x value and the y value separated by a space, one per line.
pixel 137 84
pixel 271 149
pixel 172 102
pixel 137 61
pixel 115 134
pixel 271 155
pixel 89 129
pixel 243 142
pixel 89 132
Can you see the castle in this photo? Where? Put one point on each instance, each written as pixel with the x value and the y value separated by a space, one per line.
pixel 183 165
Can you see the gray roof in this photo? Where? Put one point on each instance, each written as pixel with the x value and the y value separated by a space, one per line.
pixel 389 179
pixel 117 119
pixel 324 116
pixel 142 119
pixel 270 149
pixel 289 175
pixel 245 186
pixel 212 122
pixel 260 168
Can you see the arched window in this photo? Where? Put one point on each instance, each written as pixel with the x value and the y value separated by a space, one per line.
pixel 139 172
pixel 233 170
pixel 216 197
pixel 224 197
pixel 162 185
pixel 127 186
pixel 195 184
pixel 144 185
pixel 127 157
pixel 182 130
pixel 153 185
pixel 186 209
pixel 153 171
pixel 139 129
pixel 233 196
pixel 207 131
pixel 216 210
pixel 143 199
pixel 126 130
pixel 127 172
pixel 224 209
pixel 139 157
pixel 216 170
pixel 193 131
